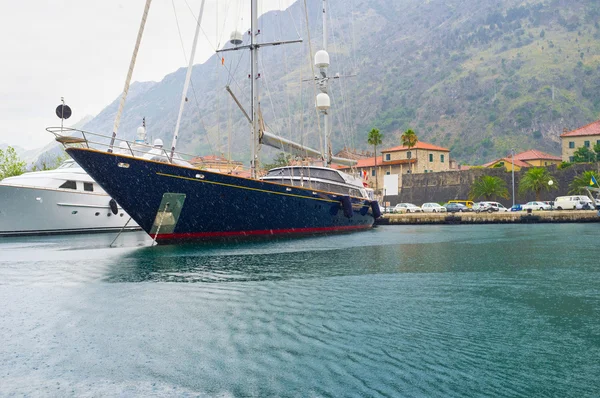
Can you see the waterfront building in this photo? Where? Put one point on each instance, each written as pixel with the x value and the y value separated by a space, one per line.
pixel 586 136
pixel 530 158
pixel 399 160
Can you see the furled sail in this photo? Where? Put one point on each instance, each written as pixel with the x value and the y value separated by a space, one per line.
pixel 296 149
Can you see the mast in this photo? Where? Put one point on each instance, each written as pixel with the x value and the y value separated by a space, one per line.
pixel 322 101
pixel 129 73
pixel 254 75
pixel 188 77
pixel 327 159
pixel 236 40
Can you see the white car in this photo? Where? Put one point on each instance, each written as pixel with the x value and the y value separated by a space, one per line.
pixel 491 207
pixel 536 206
pixel 433 208
pixel 407 208
pixel 573 202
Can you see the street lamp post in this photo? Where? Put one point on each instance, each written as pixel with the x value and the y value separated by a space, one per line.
pixel 512 158
pixel 550 183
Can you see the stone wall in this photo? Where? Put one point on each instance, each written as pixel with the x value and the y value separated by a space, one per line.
pixel 444 186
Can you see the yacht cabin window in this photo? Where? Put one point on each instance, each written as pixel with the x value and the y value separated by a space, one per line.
pixel 69 185
pixel 88 186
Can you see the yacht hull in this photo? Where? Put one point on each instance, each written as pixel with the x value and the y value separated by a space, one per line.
pixel 174 203
pixel 44 211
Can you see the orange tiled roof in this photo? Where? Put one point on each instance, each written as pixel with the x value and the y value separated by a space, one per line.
pixel 420 145
pixel 370 162
pixel 589 129
pixel 533 154
pixel 507 160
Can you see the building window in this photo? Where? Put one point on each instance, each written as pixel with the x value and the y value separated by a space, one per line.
pixel 88 186
pixel 586 144
pixel 431 157
pixel 571 144
pixel 597 142
pixel 387 173
pixel 425 171
pixel 388 156
pixel 373 173
pixel 545 163
pixel 571 159
pixel 442 158
pixel 408 155
pixel 69 185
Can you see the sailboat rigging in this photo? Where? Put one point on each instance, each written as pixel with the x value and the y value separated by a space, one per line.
pixel 173 201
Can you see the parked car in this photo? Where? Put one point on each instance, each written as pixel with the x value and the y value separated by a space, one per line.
pixel 457 208
pixel 585 204
pixel 516 208
pixel 433 208
pixel 536 206
pixel 467 203
pixel 491 207
pixel 573 202
pixel 407 208
pixel 386 209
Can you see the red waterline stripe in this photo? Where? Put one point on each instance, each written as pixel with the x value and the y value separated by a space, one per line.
pixel 188 235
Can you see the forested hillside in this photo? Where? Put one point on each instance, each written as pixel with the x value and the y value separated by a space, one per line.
pixel 477 76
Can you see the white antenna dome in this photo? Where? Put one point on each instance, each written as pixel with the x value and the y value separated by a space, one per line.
pixel 141 135
pixel 236 38
pixel 322 59
pixel 158 142
pixel 322 103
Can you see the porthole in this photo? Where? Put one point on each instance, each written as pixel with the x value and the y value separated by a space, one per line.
pixel 121 214
pixel 109 214
pixel 74 212
pixel 97 214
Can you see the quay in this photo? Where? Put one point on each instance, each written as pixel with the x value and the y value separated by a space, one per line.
pixel 518 217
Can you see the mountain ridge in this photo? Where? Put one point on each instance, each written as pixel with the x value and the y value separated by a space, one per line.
pixel 478 77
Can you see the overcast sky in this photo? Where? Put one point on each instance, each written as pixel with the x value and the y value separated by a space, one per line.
pixel 80 50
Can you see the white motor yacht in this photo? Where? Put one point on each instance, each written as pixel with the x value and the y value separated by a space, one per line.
pixel 64 200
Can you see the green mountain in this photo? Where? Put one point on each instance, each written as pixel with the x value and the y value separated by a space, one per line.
pixel 477 76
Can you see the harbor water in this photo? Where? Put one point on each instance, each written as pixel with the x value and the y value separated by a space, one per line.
pixel 409 311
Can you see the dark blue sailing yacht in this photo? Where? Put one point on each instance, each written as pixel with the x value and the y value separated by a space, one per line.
pixel 174 201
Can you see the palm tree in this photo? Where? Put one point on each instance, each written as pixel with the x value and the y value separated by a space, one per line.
pixel 535 180
pixel 488 187
pixel 582 181
pixel 374 139
pixel 409 139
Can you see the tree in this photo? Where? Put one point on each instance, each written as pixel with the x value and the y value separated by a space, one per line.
pixel 374 139
pixel 582 181
pixel 281 160
pixel 536 180
pixel 488 187
pixel 584 155
pixel 10 164
pixel 597 150
pixel 409 139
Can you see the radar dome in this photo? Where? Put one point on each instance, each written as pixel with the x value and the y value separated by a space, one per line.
pixel 323 103
pixel 158 143
pixel 235 38
pixel 322 59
